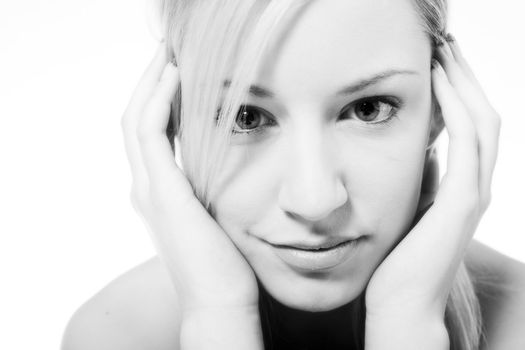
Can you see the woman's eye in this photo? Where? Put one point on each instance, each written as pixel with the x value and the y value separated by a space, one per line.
pixel 250 119
pixel 373 110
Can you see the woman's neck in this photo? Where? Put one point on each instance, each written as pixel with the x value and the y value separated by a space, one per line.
pixel 337 328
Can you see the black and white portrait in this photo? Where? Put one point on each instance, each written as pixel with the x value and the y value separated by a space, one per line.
pixel 262 174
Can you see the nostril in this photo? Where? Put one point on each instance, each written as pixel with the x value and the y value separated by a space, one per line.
pixel 314 209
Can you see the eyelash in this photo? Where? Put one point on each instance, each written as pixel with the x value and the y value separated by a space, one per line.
pixel 394 103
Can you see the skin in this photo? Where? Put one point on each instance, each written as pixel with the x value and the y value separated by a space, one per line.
pixel 320 171
pixel 312 189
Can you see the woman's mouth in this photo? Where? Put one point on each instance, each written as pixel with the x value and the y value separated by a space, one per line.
pixel 327 244
pixel 319 257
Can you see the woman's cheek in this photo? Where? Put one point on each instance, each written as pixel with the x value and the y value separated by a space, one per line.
pixel 245 198
pixel 384 176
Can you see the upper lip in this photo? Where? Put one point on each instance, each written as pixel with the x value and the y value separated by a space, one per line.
pixel 328 243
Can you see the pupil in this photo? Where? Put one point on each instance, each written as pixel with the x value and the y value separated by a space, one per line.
pixel 368 109
pixel 247 119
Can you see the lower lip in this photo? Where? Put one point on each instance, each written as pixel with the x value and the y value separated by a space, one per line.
pixel 314 260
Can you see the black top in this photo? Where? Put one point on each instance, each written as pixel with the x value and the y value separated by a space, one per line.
pixel 292 329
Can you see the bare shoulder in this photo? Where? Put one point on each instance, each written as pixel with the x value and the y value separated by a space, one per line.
pixel 138 310
pixel 500 286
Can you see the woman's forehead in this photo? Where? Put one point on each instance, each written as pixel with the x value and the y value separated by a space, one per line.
pixel 337 40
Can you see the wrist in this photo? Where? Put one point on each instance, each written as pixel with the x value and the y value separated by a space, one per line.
pixel 221 328
pixel 409 306
pixel 406 330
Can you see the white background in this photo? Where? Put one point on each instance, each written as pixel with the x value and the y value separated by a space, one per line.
pixel 67 70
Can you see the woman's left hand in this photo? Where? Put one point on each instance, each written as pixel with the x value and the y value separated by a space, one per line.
pixel 419 272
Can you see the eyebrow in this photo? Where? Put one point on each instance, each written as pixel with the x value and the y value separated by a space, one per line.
pixel 259 91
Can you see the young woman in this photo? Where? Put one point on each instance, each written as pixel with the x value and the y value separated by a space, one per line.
pixel 307 213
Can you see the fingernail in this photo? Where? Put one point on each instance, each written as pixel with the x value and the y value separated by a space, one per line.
pixel 446 50
pixel 436 66
pixel 160 47
pixel 174 61
pixel 169 71
pixel 453 43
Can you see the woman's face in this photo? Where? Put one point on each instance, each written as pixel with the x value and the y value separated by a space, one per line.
pixel 337 148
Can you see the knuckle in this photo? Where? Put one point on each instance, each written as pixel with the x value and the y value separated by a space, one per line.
pixel 124 122
pixel 493 117
pixel 135 202
pixel 471 206
pixel 466 200
pixel 146 128
pixel 496 121
pixel 485 203
pixel 137 199
pixel 491 126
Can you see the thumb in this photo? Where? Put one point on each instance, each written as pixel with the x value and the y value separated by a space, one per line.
pixel 430 182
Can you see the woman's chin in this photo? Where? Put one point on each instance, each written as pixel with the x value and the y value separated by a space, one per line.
pixel 313 303
pixel 314 299
pixel 327 305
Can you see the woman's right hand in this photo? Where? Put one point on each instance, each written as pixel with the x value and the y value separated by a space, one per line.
pixel 206 267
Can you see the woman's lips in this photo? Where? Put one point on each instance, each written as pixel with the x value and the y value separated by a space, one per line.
pixel 318 259
pixel 328 243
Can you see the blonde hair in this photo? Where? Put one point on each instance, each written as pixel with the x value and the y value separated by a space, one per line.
pixel 211 39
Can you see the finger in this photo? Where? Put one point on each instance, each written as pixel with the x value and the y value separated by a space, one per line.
pixel 430 181
pixel 431 174
pixel 453 48
pixel 130 119
pixel 491 130
pixel 458 70
pixel 486 121
pixel 155 148
pixel 461 177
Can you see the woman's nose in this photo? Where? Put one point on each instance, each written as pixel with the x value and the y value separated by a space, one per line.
pixel 312 186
